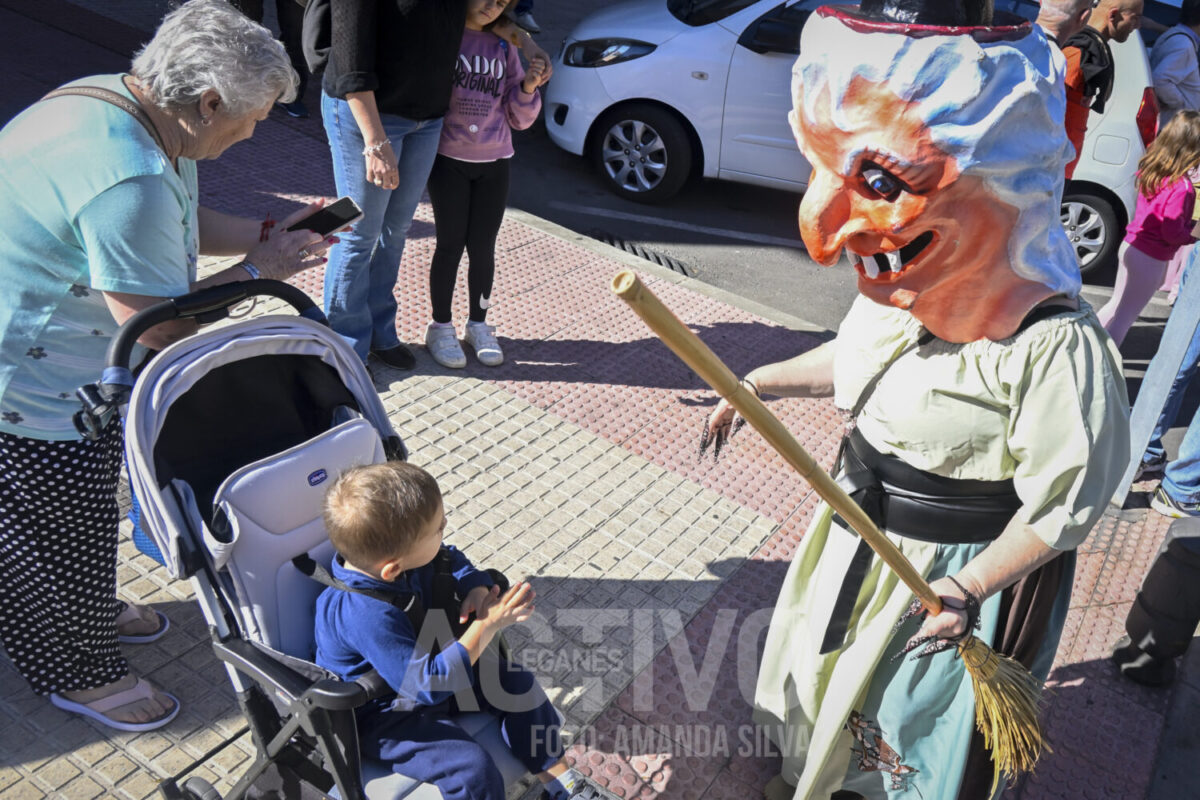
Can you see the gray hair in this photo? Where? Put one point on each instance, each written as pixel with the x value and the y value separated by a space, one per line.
pixel 208 44
pixel 996 108
pixel 1055 12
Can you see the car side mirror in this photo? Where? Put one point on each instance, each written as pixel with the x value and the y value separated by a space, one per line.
pixel 772 36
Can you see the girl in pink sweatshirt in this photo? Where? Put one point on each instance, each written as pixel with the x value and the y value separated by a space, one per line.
pixel 1162 222
pixel 468 186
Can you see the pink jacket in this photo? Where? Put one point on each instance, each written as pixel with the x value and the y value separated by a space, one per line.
pixel 1163 223
pixel 487 101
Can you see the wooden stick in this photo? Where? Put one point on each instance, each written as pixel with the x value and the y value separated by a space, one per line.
pixel 705 363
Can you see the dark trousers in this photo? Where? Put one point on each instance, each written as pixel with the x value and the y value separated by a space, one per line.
pixel 468 201
pixel 1166 611
pixel 291 21
pixel 428 745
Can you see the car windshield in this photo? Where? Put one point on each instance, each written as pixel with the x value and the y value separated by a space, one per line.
pixel 702 12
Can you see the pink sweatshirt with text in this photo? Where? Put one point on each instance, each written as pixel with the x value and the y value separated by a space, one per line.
pixel 487 100
pixel 1163 223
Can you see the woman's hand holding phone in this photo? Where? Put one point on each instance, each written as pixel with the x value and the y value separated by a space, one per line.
pixel 288 252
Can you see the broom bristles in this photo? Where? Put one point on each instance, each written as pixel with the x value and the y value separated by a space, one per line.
pixel 1007 697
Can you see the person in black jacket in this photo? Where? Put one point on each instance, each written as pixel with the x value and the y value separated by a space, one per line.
pixel 385 89
pixel 290 16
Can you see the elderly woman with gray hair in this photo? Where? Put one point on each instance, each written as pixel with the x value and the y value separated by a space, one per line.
pixel 101 219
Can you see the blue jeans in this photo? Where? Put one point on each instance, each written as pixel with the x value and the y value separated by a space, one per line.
pixel 1182 479
pixel 361 274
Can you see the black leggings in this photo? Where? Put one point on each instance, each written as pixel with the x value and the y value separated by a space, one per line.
pixel 468 206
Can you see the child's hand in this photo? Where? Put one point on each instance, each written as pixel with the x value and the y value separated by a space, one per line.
pixel 537 74
pixel 477 600
pixel 515 605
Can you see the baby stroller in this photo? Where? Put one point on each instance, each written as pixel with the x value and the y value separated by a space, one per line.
pixel 231 437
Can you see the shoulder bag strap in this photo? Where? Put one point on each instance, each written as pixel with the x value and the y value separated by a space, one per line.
pixel 118 100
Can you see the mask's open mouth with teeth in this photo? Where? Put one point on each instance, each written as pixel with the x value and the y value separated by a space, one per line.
pixel 891 265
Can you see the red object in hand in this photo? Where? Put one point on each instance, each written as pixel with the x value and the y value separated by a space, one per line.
pixel 264 232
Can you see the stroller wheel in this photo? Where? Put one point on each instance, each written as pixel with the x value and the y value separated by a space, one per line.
pixel 200 789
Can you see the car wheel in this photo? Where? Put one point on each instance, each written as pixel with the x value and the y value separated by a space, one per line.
pixel 642 152
pixel 1093 229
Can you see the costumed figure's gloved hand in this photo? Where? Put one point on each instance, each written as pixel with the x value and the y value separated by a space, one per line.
pixel 723 423
pixel 958 618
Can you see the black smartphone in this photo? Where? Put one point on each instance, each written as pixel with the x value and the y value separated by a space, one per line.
pixel 334 217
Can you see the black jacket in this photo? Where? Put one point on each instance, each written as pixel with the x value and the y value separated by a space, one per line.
pixel 403 50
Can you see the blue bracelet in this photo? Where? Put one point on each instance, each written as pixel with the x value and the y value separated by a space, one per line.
pixel 251 270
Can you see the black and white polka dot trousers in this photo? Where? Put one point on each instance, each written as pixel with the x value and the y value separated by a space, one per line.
pixel 58 560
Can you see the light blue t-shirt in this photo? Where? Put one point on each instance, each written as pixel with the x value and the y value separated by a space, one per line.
pixel 88 204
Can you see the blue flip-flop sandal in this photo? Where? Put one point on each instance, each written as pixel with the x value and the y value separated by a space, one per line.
pixel 164 625
pixel 98 709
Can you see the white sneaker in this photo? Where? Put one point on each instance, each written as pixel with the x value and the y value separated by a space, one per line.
pixel 526 21
pixel 482 338
pixel 442 343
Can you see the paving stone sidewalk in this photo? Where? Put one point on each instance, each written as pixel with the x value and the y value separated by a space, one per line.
pixel 575 463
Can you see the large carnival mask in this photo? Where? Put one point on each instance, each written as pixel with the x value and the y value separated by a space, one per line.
pixel 938 152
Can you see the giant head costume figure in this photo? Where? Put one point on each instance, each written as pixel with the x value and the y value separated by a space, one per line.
pixel 935 131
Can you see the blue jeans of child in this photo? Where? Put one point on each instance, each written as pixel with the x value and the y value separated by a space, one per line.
pixel 361 274
pixel 1182 479
pixel 428 745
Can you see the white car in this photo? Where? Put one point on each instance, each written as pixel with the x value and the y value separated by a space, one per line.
pixel 656 91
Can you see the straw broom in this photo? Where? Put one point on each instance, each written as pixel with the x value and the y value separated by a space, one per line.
pixel 1006 694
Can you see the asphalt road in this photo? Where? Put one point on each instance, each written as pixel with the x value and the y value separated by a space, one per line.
pixel 740 238
pixel 737 237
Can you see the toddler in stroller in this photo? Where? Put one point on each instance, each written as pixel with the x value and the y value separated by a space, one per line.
pixel 386 523
pixel 232 437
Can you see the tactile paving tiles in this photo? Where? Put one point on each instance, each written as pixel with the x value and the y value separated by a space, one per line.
pixel 1131 550
pixel 634 761
pixel 1104 745
pixel 693 689
pixel 596 527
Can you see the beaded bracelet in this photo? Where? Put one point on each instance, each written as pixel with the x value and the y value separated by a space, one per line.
pixel 374 149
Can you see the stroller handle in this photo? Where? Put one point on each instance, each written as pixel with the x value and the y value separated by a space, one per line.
pixel 205 306
pixel 101 399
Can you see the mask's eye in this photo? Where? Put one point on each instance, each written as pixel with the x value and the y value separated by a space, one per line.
pixel 882 182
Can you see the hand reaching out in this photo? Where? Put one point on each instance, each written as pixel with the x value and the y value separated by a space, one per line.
pixel 514 606
pixel 476 599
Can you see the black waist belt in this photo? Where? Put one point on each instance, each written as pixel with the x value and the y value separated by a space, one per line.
pixel 915 504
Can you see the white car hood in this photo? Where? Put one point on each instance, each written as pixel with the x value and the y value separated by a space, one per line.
pixel 646 20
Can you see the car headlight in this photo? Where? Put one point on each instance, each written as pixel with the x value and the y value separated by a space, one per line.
pixel 603 52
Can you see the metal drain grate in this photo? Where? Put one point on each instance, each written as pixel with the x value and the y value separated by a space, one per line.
pixel 673 264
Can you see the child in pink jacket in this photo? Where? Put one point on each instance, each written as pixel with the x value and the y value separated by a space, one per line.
pixel 468 186
pixel 1162 222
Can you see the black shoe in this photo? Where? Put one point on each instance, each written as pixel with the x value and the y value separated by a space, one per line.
pixel 399 357
pixel 296 109
pixel 1140 667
